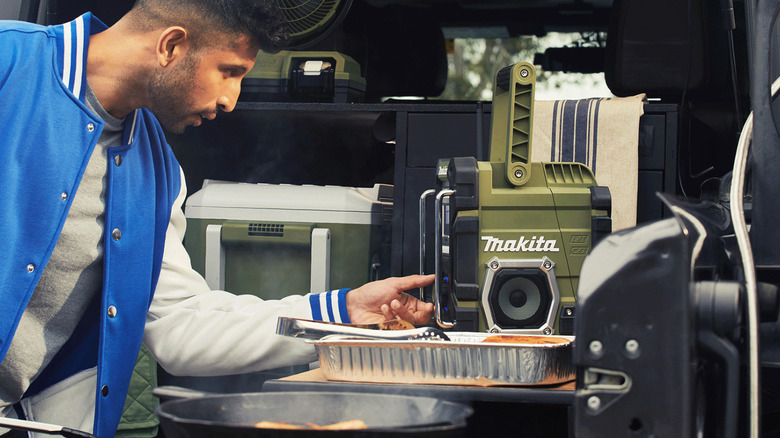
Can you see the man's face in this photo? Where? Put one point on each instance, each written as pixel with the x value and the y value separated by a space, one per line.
pixel 202 82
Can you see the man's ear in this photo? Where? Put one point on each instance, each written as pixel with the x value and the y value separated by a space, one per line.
pixel 173 43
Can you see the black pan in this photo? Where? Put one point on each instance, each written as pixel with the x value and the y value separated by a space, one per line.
pixel 234 415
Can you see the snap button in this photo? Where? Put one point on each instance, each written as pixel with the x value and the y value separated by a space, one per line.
pixel 64 196
pixel 30 268
pixel 90 127
pixel 118 160
pixel 111 311
pixel 104 390
pixel 116 234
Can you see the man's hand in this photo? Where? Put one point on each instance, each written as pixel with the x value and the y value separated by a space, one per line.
pixel 385 300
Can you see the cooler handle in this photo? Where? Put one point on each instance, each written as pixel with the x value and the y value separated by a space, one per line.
pixel 214 271
pixel 320 259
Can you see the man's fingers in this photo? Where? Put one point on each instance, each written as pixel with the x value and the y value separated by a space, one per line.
pixel 401 311
pixel 413 281
pixel 387 312
pixel 419 314
pixel 424 313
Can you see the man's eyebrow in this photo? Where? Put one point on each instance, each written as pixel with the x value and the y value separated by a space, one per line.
pixel 238 68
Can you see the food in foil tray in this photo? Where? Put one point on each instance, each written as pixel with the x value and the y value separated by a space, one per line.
pixel 478 359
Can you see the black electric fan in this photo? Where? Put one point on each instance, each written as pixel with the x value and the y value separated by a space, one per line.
pixel 311 21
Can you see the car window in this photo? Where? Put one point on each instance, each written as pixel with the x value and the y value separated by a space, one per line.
pixel 473 63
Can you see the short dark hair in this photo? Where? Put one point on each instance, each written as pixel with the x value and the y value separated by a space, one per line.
pixel 260 20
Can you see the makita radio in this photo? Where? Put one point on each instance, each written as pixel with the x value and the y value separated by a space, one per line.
pixel 511 235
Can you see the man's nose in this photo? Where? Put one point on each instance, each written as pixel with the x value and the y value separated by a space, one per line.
pixel 227 102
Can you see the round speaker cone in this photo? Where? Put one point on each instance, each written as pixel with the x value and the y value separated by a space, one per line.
pixel 519 298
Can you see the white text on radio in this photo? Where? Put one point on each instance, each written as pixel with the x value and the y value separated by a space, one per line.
pixel 493 244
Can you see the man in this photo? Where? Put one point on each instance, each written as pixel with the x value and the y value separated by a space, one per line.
pixel 92 260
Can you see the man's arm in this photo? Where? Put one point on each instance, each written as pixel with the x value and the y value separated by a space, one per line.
pixel 194 330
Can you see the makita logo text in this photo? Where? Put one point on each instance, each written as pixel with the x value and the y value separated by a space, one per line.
pixel 493 244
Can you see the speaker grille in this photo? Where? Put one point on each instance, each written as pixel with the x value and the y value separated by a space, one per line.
pixel 520 298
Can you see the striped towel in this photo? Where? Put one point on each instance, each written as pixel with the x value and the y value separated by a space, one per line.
pixel 603 134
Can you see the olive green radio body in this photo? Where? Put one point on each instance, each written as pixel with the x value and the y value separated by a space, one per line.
pixel 512 234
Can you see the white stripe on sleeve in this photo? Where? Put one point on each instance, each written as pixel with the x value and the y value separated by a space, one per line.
pixel 334 304
pixel 324 307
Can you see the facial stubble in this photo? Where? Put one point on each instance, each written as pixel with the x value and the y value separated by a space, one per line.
pixel 170 99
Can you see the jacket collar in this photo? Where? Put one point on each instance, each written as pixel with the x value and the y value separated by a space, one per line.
pixel 72 47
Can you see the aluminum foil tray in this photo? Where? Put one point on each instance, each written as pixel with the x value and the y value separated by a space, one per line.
pixel 464 360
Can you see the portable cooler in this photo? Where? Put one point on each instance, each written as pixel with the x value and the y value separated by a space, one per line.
pixel 275 240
